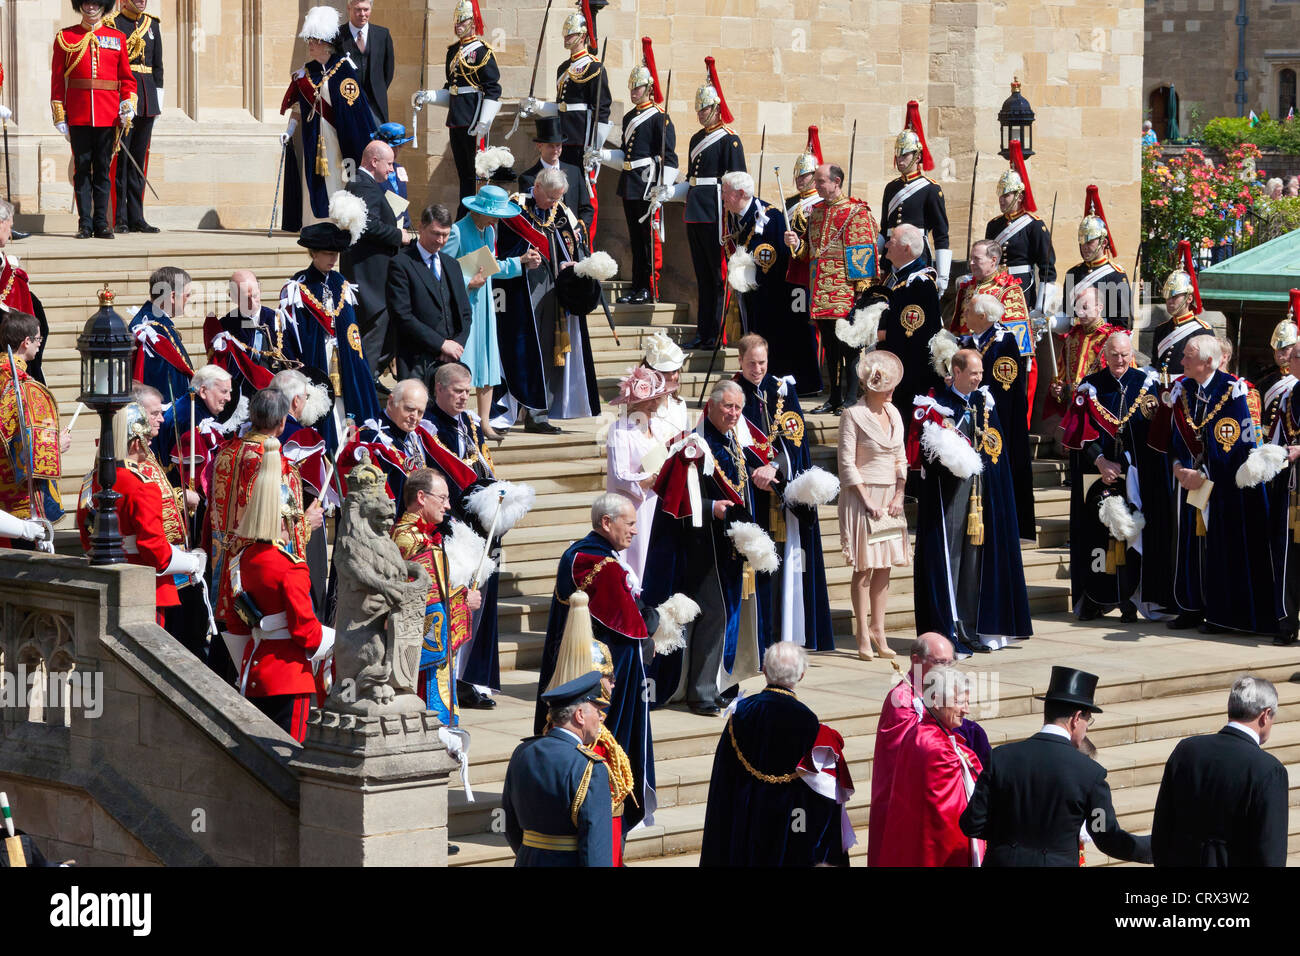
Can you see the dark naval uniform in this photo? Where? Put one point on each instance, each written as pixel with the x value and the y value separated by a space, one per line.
pixel 144 49
pixel 715 151
pixel 1108 278
pixel 472 77
pixel 917 200
pixel 1025 243
pixel 556 795
pixel 647 131
pixel 578 81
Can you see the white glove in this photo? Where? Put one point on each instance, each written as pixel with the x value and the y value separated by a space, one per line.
pixel 326 647
pixel 126 111
pixel 5 113
pixel 942 266
pixel 436 97
pixel 669 176
pixel 421 97
pixel 529 105
pixel 63 128
pixel 186 562
pixel 486 114
pixel 591 156
pixel 161 91
pixel 602 133
pixel 675 193
pixel 288 133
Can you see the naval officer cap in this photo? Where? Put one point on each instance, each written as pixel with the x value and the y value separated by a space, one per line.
pixel 574 692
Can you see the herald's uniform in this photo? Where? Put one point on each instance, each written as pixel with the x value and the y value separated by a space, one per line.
pixel 40 426
pixel 447 616
pixel 1108 278
pixel 233 474
pixel 1007 289
pixel 714 152
pixel 472 77
pixel 140 518
pixel 90 79
pixel 276 662
pixel 144 50
pixel 1080 356
pixel 840 249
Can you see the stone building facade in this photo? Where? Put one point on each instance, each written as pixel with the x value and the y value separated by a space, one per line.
pixel 784 64
pixel 1192 45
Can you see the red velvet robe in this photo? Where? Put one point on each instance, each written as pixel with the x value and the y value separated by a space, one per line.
pixel 897 717
pixel 926 800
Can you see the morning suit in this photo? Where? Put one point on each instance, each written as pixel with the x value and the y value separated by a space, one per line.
pixel 425 310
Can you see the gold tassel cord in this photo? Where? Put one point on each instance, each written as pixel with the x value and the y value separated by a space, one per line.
pixel 1121 553
pixel 1200 523
pixel 975 515
pixel 776 518
pixel 747 582
pixel 1295 517
pixel 322 162
pixel 562 344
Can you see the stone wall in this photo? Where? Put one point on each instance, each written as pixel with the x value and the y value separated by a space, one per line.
pixel 784 64
pixel 1193 45
pixel 152 759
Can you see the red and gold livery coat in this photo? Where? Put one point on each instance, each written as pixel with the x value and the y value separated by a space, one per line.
pixel 1003 286
pixel 840 249
pixel 233 473
pixel 1080 356
pixel 90 76
pixel 421 543
pixel 140 518
pixel 39 425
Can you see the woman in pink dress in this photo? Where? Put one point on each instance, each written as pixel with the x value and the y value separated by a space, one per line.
pixel 873 469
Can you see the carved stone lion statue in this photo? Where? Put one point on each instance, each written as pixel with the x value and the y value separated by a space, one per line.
pixel 379 622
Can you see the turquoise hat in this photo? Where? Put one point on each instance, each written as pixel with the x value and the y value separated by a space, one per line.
pixel 492 201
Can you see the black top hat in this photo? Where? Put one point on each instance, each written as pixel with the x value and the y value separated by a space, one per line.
pixel 325 237
pixel 548 130
pixel 1073 687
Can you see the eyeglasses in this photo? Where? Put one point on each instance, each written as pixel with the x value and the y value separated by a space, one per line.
pixel 440 498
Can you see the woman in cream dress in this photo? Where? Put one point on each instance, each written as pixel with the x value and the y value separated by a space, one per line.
pixel 873 470
pixel 635 452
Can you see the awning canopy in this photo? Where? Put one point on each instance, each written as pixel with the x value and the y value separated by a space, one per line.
pixel 1264 275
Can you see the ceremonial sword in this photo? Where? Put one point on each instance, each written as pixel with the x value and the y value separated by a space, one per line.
pixel 762 148
pixel 275 201
pixel 424 76
pixel 594 132
pixel 537 60
pixel 127 153
pixel 853 142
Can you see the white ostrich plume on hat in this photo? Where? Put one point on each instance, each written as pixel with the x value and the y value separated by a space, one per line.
pixel 663 354
pixel 813 487
pixel 348 212
pixel 674 614
pixel 1262 464
pixel 1123 525
pixel 943 346
pixel 320 23
pixel 599 266
pixel 482 503
pixel 488 161
pixel 317 405
pixel 861 331
pixel 464 550
pixel 752 542
pixel 742 274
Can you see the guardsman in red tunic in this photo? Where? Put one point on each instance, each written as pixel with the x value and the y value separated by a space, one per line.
pixel 284 644
pixel 92 88
pixel 233 472
pixel 29 427
pixel 141 511
pixel 450 602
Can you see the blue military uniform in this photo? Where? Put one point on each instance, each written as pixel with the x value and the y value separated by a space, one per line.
pixel 556 794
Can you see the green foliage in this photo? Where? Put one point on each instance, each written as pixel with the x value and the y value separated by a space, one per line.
pixel 1190 198
pixel 1228 132
pixel 1277 217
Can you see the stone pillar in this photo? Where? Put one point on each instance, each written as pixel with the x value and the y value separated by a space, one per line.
pixel 373 791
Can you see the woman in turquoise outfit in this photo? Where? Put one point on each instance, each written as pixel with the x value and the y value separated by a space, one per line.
pixel 478 229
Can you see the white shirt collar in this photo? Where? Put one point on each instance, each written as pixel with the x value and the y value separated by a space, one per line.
pixel 369 173
pixel 1254 734
pixel 965 396
pixel 425 254
pixel 565 730
pixel 545 165
pixel 1056 729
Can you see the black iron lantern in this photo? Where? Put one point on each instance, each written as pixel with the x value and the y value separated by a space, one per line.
pixel 107 350
pixel 1017 120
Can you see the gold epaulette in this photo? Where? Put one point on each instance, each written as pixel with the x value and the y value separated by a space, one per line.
pixel 284 549
pixel 589 753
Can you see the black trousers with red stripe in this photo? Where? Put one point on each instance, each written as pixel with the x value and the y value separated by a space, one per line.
pixel 288 711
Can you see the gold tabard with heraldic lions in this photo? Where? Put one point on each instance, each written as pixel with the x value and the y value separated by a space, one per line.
pixel 840 249
pixel 29 427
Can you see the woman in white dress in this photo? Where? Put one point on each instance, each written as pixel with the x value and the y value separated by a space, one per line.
pixel 873 470
pixel 635 454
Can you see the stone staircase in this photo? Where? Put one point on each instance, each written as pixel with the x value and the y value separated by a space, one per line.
pixel 1156 687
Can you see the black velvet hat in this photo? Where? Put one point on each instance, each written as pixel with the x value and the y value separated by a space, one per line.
pixel 1074 687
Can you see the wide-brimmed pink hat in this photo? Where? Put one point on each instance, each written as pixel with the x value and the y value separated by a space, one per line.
pixel 639 385
pixel 879 371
